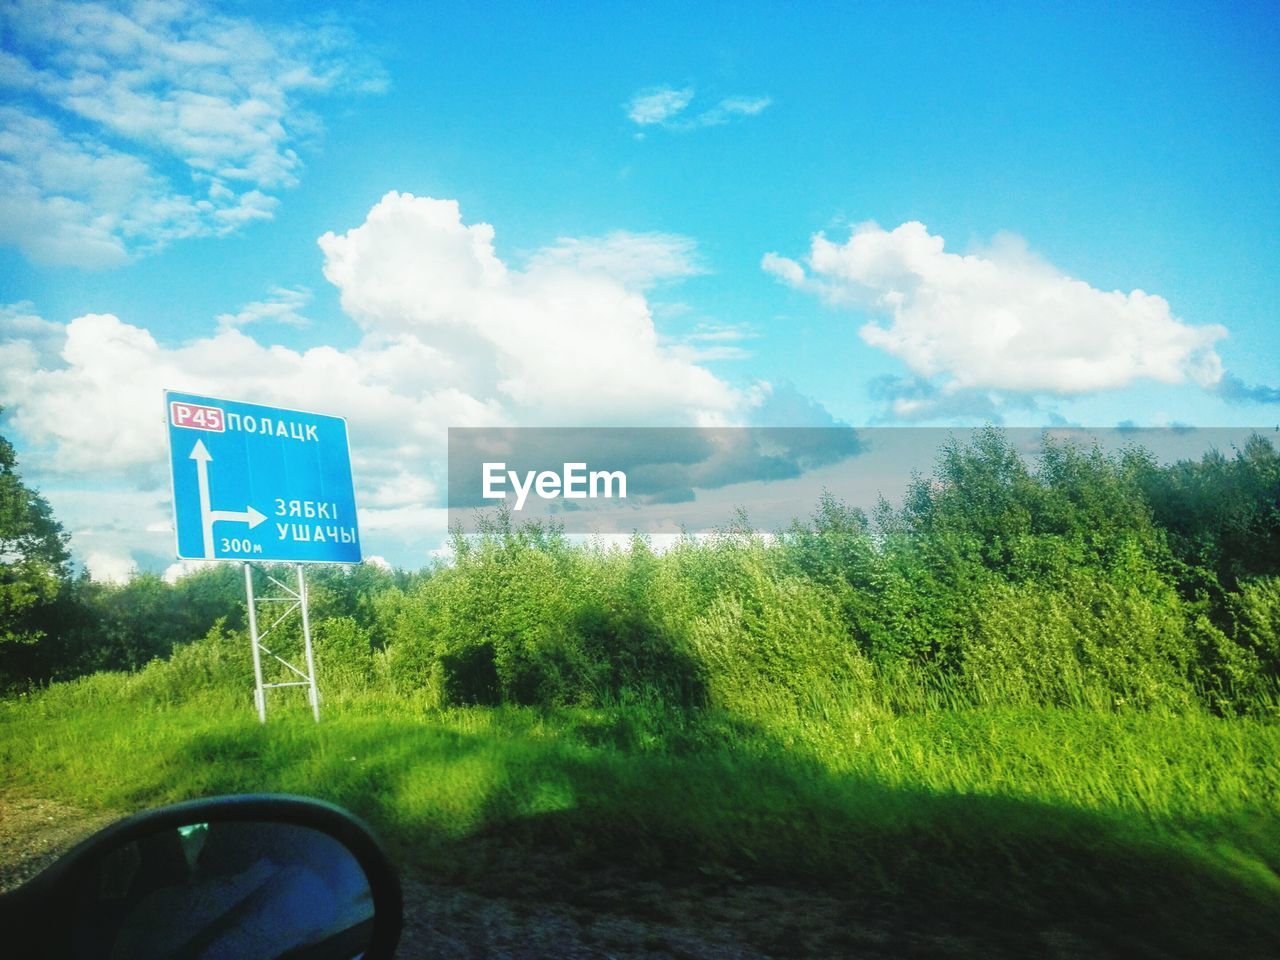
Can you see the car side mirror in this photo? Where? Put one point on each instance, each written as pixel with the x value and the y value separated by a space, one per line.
pixel 254 877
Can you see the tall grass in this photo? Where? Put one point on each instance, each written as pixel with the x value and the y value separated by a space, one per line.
pixel 1035 813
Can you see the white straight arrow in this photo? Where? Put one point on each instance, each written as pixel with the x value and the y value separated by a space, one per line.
pixel 208 516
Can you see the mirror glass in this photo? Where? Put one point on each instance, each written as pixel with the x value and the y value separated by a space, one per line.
pixel 239 890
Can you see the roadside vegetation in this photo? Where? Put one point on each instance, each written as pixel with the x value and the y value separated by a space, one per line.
pixel 1034 697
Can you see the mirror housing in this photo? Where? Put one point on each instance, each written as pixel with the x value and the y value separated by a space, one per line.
pixel 41 917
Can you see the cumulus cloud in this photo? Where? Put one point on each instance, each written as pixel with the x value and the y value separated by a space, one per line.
pixel 453 336
pixel 1000 320
pixel 667 107
pixel 569 338
pixel 131 126
pixel 100 408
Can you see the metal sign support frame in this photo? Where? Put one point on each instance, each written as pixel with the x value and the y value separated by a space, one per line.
pixel 297 601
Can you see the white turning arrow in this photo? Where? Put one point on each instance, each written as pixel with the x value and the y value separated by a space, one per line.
pixel 208 516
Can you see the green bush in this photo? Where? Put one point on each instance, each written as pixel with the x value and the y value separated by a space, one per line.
pixel 220 662
pixel 1242 668
pixel 1088 642
pixel 496 628
pixel 344 653
pixel 770 640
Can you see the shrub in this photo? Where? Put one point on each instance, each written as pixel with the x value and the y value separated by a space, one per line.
pixel 1241 668
pixel 221 661
pixel 344 654
pixel 771 639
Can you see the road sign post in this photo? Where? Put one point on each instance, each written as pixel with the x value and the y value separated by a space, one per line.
pixel 313 693
pixel 251 605
pixel 255 483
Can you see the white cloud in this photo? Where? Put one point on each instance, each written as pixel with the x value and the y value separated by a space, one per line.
pixel 408 524
pixel 402 488
pixel 117 520
pixel 107 103
pixel 110 567
pixel 637 260
pixel 668 107
pixel 70 199
pixel 658 104
pixel 731 108
pixel 21 328
pixel 101 407
pixel 283 305
pixel 1004 319
pixel 558 341
pixel 453 337
pixel 176 571
pixel 91 404
pixel 713 341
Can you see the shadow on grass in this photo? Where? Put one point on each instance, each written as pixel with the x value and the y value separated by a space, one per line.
pixel 993 875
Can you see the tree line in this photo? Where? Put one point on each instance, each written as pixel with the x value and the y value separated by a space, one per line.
pixel 1078 576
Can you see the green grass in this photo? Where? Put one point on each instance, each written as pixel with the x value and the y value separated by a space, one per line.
pixel 1157 831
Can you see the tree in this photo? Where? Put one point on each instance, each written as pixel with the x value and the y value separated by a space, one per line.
pixel 33 556
pixel 1222 514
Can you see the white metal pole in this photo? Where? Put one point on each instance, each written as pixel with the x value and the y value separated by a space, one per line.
pixel 306 638
pixel 259 694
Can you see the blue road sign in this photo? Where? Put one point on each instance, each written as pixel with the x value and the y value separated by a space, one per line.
pixel 260 483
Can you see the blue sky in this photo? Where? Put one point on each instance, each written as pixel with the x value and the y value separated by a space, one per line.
pixel 881 213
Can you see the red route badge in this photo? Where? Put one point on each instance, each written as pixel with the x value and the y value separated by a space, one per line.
pixel 196 417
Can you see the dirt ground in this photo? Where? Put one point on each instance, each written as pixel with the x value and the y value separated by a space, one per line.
pixel 606 913
pixel 34 832
pixel 547 905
